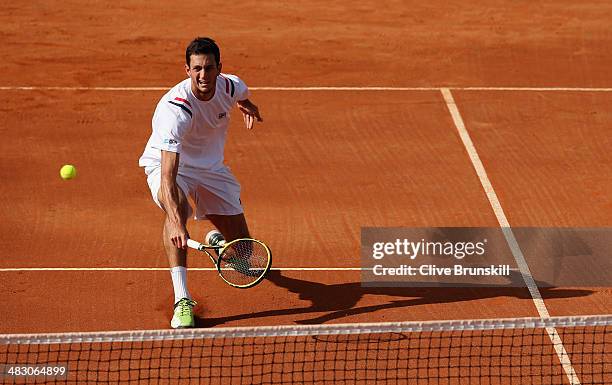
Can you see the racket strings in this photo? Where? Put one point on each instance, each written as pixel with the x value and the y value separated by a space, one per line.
pixel 243 262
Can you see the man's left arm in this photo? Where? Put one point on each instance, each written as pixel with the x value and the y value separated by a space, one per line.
pixel 250 112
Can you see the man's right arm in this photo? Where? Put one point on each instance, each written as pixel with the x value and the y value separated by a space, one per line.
pixel 170 200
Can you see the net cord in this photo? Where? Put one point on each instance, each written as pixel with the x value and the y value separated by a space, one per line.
pixel 308 330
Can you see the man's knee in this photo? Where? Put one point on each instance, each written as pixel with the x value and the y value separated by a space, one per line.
pixel 231 226
pixel 183 204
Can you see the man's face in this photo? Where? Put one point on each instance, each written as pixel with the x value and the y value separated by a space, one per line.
pixel 203 71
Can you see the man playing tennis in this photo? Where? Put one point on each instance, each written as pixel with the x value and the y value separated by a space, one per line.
pixel 184 158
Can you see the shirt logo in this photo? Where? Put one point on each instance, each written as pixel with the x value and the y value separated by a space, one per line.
pixel 170 141
pixel 222 115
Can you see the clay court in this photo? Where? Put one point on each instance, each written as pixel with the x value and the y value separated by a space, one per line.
pixel 365 109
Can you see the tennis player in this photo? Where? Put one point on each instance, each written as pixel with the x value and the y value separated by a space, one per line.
pixel 184 158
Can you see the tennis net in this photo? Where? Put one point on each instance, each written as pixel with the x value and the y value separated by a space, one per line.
pixel 556 350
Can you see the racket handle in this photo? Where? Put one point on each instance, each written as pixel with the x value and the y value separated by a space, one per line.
pixel 194 244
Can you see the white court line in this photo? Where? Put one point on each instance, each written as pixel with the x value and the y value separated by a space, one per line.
pixel 322 88
pixel 167 269
pixel 8 269
pixel 509 235
pixel 544 89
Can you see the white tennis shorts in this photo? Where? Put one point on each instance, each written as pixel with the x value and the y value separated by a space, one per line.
pixel 212 192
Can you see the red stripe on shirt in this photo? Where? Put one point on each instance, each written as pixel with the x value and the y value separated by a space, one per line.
pixel 183 100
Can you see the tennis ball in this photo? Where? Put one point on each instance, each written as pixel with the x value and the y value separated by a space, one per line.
pixel 68 172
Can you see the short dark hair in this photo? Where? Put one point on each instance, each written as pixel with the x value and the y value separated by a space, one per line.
pixel 202 46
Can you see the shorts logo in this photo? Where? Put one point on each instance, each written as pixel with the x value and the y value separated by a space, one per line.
pixel 222 115
pixel 170 141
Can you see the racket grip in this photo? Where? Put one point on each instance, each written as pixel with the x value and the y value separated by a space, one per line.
pixel 194 244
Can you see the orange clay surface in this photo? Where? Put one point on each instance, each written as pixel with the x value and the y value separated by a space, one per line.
pixel 323 164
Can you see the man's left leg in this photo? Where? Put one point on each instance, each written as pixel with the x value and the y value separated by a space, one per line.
pixel 231 226
pixel 218 200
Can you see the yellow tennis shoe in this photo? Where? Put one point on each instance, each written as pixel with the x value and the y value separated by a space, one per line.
pixel 183 314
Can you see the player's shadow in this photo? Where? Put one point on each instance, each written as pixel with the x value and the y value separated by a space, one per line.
pixel 340 300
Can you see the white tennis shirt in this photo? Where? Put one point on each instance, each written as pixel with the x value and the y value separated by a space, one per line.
pixel 191 127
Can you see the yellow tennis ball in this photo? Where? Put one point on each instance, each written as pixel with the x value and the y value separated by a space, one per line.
pixel 68 172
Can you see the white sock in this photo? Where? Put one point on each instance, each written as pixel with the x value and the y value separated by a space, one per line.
pixel 179 281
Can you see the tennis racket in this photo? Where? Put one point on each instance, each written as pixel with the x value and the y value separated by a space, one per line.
pixel 241 263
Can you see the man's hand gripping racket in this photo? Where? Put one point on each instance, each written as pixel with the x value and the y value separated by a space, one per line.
pixel 241 263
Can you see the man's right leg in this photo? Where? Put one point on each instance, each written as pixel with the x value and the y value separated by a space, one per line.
pixel 177 259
